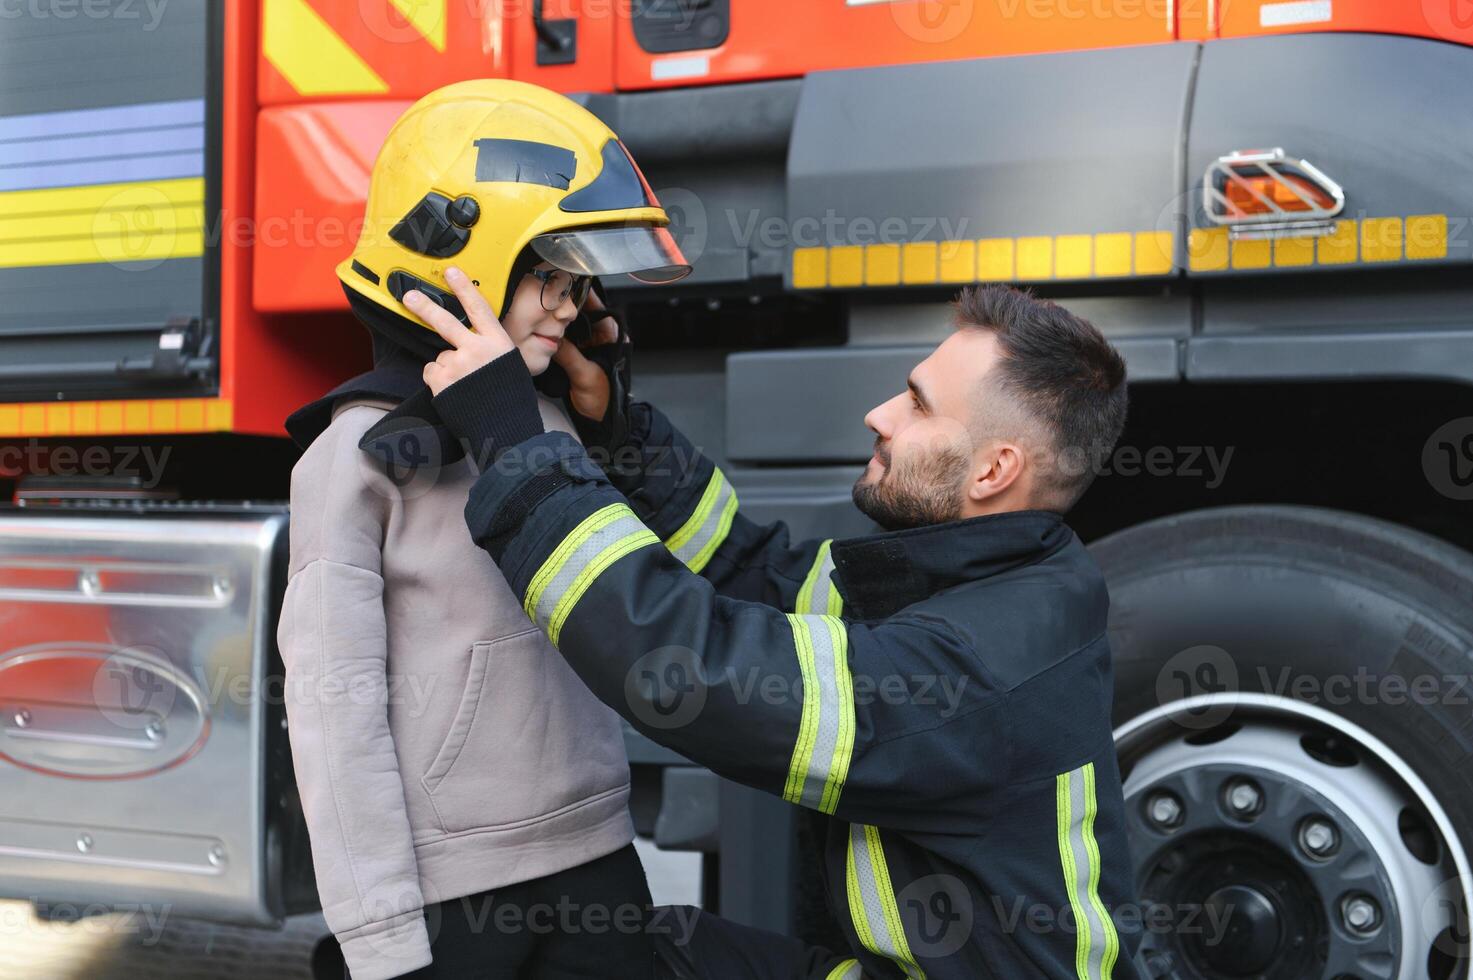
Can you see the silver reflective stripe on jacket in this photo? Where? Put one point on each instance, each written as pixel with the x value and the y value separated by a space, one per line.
pixel 872 903
pixel 705 529
pixel 597 542
pixel 818 594
pixel 1096 943
pixel 825 744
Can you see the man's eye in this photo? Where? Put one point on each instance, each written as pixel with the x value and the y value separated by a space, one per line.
pixel 915 402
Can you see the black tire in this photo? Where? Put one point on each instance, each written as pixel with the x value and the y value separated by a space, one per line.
pixel 1297 596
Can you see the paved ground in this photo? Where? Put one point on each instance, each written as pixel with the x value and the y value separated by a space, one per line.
pixel 125 947
pixel 130 947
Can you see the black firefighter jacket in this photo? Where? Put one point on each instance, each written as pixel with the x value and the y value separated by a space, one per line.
pixel 941 694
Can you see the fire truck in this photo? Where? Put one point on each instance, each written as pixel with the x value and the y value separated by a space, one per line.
pixel 1265 205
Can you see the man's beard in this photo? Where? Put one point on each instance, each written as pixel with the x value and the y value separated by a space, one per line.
pixel 917 495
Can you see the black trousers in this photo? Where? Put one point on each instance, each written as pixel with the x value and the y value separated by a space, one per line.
pixel 695 945
pixel 586 923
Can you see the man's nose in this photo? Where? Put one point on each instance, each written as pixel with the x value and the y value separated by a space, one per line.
pixel 878 419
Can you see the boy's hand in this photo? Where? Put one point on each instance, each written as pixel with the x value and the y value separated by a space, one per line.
pixel 471 349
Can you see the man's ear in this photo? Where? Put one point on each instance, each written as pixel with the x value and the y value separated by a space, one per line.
pixel 1000 466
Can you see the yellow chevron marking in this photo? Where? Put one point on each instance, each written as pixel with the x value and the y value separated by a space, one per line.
pixel 427 17
pixel 311 56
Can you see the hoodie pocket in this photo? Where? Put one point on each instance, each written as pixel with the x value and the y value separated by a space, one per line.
pixel 517 748
pixel 465 716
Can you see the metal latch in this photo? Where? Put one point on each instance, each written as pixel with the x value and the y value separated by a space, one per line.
pixel 557 40
pixel 183 350
pixel 1268 194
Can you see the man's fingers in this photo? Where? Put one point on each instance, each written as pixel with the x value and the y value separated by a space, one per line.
pixel 482 317
pixel 441 320
pixel 572 360
pixel 605 331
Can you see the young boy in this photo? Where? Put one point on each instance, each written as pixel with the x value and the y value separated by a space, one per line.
pixel 461 786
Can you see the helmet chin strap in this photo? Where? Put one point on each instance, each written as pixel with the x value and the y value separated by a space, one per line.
pixel 525 263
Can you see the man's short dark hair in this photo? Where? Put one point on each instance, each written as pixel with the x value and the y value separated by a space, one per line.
pixel 1063 373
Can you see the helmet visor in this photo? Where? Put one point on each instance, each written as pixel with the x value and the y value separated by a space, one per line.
pixel 645 252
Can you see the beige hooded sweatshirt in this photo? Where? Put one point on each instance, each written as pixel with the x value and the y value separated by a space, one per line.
pixel 442 746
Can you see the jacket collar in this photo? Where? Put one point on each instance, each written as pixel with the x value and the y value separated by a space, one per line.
pixel 880 574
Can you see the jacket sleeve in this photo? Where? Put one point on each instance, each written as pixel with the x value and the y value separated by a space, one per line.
pixel 688 502
pixel 840 717
pixel 332 637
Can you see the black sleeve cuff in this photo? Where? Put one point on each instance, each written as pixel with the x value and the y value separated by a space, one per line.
pixel 493 408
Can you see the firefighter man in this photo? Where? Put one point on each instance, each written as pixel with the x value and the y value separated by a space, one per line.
pixel 980 836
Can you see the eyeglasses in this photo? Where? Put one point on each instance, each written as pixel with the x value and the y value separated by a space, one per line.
pixel 558 285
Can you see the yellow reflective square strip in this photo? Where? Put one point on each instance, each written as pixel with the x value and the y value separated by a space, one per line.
pixel 808 725
pixel 847 970
pixel 560 554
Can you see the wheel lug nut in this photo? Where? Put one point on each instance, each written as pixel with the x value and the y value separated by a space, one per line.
pixel 1244 798
pixel 1362 914
pixel 1318 838
pixel 1165 810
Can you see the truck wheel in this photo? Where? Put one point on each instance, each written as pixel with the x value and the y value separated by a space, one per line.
pixel 1294 721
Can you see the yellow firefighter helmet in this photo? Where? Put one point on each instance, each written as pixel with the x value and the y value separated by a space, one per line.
pixel 494 176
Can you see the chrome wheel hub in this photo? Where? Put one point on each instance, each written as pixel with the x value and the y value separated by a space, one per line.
pixel 1275 840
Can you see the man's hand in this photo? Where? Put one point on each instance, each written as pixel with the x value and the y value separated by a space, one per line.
pixel 470 349
pixel 588 382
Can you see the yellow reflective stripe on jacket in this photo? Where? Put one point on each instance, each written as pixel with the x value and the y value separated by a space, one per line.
pixel 818 594
pixel 872 903
pixel 598 541
pixel 847 970
pixel 1096 943
pixel 825 743
pixel 705 529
